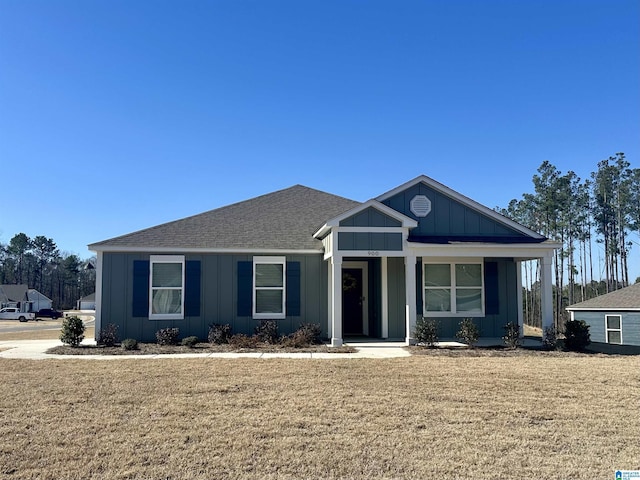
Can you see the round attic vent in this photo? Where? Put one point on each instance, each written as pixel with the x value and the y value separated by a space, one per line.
pixel 420 206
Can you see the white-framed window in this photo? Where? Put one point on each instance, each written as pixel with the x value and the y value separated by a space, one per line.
pixel 453 288
pixel 166 285
pixel 269 287
pixel 613 328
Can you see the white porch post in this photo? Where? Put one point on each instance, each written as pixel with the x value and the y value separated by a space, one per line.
pixel 98 316
pixel 410 295
pixel 385 298
pixel 336 301
pixel 519 297
pixel 547 293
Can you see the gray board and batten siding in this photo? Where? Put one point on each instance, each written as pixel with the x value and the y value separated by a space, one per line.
pixel 500 300
pixel 378 241
pixel 214 299
pixel 451 220
pixel 596 321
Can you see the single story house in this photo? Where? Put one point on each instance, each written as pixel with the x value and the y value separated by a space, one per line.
pixel 87 302
pixel 612 318
pixel 300 255
pixel 17 295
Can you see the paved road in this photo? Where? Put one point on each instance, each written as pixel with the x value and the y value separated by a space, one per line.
pixel 12 326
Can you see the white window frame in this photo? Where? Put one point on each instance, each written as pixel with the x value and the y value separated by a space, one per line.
pixel 153 259
pixel 607 329
pixel 270 260
pixel 452 265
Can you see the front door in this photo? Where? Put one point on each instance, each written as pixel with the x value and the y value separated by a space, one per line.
pixel 354 306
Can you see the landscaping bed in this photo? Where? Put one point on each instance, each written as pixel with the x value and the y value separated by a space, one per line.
pixel 155 349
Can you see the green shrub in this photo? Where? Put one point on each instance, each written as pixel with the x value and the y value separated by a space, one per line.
pixel 426 331
pixel 129 344
pixel 267 331
pixel 72 331
pixel 108 336
pixel 511 336
pixel 219 334
pixel 190 341
pixel 243 341
pixel 550 338
pixel 468 332
pixel 167 336
pixel 576 335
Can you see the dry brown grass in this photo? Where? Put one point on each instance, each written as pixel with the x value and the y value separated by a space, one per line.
pixel 417 417
pixel 530 331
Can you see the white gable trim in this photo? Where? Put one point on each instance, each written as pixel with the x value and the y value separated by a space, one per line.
pixel 406 222
pixel 431 183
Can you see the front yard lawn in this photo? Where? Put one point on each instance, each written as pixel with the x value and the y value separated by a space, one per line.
pixel 564 416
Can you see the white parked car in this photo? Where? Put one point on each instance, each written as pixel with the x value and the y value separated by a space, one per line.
pixel 13 313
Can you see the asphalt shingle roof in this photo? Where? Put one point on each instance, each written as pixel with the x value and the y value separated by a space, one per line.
pixel 624 298
pixel 282 220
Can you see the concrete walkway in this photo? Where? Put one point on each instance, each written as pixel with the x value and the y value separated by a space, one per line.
pixel 36 350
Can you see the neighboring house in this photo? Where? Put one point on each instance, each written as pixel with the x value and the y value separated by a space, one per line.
pixel 300 255
pixel 87 303
pixel 11 295
pixel 38 300
pixel 17 295
pixel 612 318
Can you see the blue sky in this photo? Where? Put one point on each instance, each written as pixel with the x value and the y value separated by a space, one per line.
pixel 120 115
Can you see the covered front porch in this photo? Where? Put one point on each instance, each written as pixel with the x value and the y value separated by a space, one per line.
pixel 423 249
pixel 381 296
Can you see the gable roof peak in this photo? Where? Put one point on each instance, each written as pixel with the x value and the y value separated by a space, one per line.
pixel 464 200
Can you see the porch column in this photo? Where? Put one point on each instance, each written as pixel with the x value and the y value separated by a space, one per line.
pixel 410 295
pixel 336 301
pixel 384 298
pixel 547 293
pixel 98 316
pixel 519 298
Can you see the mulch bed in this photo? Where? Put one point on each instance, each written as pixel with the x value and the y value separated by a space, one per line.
pixel 493 351
pixel 155 349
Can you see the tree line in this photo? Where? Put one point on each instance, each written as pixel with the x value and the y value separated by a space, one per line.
pixel 38 263
pixel 592 219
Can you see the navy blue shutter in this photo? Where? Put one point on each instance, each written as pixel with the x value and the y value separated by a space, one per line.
pixel 293 289
pixel 491 289
pixel 245 287
pixel 419 290
pixel 140 300
pixel 192 289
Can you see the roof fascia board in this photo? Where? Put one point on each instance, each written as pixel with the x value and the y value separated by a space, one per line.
pixel 518 250
pixel 603 309
pixel 439 187
pixel 257 251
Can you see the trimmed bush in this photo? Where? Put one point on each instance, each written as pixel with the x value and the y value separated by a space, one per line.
pixel 219 334
pixel 190 341
pixel 267 331
pixel 72 331
pixel 576 335
pixel 311 333
pixel 468 332
pixel 167 336
pixel 308 334
pixel 108 336
pixel 511 336
pixel 426 331
pixel 550 338
pixel 243 341
pixel 129 344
